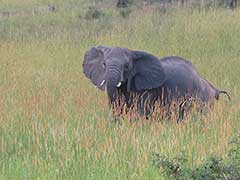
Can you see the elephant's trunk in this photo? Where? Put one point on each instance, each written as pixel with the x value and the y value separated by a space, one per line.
pixel 112 80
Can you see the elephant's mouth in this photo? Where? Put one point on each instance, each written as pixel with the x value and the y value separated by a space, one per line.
pixel 104 81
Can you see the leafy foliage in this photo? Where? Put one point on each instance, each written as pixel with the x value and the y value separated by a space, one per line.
pixel 93 13
pixel 124 3
pixel 215 168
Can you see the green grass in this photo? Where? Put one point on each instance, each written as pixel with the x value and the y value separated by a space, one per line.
pixel 53 121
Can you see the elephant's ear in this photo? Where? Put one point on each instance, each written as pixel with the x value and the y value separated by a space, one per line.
pixel 93 66
pixel 148 72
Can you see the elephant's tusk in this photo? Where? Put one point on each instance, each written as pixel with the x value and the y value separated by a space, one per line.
pixel 102 83
pixel 119 84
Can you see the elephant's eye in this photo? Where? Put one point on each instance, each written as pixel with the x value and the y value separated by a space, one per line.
pixel 103 64
pixel 126 67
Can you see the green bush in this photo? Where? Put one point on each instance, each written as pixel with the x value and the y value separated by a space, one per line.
pixel 125 12
pixel 124 3
pixel 93 13
pixel 215 168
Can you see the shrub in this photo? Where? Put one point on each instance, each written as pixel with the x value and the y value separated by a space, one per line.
pixel 93 13
pixel 174 168
pixel 215 168
pixel 123 3
pixel 125 12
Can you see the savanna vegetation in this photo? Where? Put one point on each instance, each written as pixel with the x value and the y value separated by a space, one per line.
pixel 54 123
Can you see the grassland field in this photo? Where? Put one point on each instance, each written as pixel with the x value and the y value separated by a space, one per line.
pixel 53 121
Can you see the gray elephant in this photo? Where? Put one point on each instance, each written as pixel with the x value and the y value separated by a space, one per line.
pixel 137 78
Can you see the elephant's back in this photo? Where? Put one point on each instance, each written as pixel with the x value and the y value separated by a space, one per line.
pixel 183 79
pixel 179 69
pixel 174 60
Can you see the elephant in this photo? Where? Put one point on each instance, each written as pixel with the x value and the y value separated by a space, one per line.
pixel 138 78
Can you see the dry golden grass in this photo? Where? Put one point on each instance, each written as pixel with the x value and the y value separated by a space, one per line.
pixel 54 123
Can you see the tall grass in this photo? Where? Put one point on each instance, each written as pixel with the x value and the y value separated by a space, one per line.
pixel 54 123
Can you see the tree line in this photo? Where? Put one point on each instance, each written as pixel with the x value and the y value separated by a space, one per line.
pixel 204 3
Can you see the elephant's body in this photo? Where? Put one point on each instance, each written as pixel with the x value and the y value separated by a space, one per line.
pixel 139 79
pixel 183 83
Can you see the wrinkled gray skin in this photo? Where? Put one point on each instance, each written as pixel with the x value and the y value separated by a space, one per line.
pixel 127 74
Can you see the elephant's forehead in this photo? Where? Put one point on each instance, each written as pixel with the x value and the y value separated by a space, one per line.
pixel 116 53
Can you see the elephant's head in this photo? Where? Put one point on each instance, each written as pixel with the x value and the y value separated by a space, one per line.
pixel 110 67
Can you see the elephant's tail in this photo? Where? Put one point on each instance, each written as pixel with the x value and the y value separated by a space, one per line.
pixel 218 92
